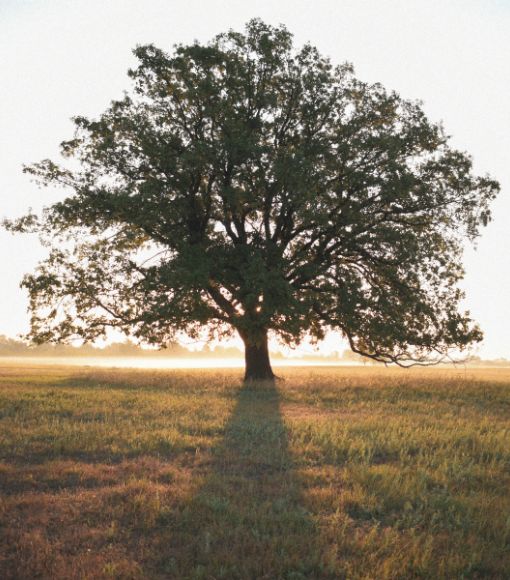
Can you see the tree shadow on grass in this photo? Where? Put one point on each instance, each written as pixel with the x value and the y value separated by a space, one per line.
pixel 246 519
pixel 233 512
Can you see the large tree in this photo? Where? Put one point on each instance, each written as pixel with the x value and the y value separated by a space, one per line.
pixel 248 186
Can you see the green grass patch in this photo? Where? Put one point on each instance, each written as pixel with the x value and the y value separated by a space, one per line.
pixel 336 473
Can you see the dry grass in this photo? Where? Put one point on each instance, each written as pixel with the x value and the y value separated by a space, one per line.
pixel 337 473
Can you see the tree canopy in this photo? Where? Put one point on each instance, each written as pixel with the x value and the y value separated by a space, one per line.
pixel 247 185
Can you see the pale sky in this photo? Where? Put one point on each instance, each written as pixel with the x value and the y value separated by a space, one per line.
pixel 60 58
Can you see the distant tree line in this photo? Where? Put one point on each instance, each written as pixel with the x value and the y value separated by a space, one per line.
pixel 14 347
pixel 11 347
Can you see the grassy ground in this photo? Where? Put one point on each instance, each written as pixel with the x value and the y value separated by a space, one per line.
pixel 337 473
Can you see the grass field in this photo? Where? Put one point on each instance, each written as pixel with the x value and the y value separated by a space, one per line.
pixel 336 473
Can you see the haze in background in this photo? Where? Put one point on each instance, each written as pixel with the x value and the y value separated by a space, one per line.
pixel 60 59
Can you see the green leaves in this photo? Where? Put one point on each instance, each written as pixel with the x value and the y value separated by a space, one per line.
pixel 251 185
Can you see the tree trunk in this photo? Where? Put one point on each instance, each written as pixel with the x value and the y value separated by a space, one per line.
pixel 256 356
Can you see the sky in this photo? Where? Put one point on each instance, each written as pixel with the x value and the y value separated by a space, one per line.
pixel 61 58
